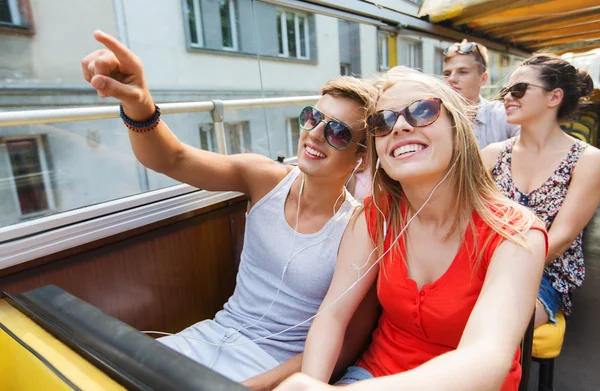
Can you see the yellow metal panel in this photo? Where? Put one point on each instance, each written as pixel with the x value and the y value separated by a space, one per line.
pixel 579 49
pixel 580 38
pixel 529 11
pixel 555 25
pixel 557 33
pixel 393 50
pixel 73 366
pixel 545 24
pixel 21 371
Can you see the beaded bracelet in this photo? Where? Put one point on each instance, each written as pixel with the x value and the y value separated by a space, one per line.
pixel 141 127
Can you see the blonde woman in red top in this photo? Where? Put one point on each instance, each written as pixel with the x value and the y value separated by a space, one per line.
pixel 459 265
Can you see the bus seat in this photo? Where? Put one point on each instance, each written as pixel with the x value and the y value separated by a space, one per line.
pixel 577 134
pixel 548 339
pixel 547 343
pixel 591 113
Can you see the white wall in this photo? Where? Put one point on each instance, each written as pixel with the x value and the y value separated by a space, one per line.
pixel 368 49
pixel 63 36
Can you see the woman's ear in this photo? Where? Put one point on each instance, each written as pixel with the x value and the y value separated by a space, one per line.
pixel 555 97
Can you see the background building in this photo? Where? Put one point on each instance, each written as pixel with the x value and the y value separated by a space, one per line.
pixel 192 50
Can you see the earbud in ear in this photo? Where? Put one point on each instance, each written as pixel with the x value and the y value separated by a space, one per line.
pixel 358 164
pixel 377 165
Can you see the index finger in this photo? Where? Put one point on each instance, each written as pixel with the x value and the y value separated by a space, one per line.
pixel 123 54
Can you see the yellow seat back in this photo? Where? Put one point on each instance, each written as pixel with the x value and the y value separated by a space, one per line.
pixel 548 338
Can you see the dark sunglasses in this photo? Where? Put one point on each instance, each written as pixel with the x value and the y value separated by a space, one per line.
pixel 517 90
pixel 337 134
pixel 422 112
pixel 465 48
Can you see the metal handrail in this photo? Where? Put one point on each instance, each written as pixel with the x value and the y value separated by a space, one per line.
pixel 30 117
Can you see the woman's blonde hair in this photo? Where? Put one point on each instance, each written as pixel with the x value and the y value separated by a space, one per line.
pixel 473 183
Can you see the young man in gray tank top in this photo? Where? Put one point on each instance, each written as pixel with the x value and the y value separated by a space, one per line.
pixel 295 222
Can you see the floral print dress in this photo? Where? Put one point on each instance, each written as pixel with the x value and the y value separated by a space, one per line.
pixel 567 272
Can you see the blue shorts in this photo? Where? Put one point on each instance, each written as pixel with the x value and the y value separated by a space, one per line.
pixel 549 297
pixel 354 374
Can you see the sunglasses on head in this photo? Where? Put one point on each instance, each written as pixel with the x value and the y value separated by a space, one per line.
pixel 337 134
pixel 517 90
pixel 421 112
pixel 465 48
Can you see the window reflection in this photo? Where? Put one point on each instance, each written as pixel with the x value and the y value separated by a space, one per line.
pixel 213 54
pixel 30 176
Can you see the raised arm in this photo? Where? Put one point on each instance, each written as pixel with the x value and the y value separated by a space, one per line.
pixel 579 205
pixel 117 72
pixel 326 335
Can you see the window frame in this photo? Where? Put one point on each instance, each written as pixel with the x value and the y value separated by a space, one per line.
pixel 244 134
pixel 415 54
pixel 197 10
pixel 41 153
pixel 438 61
pixel 15 14
pixel 284 36
pixel 289 127
pixel 241 128
pixel 233 24
pixel 22 21
pixel 383 60
pixel 347 67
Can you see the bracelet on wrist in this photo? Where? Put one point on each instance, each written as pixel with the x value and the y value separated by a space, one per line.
pixel 144 126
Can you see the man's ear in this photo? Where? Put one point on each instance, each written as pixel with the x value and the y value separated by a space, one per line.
pixel 555 97
pixel 483 78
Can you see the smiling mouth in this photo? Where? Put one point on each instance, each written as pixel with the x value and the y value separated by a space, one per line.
pixel 512 108
pixel 407 149
pixel 314 152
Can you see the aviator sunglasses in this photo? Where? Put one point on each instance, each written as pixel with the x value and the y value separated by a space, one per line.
pixel 517 90
pixel 420 113
pixel 465 48
pixel 337 134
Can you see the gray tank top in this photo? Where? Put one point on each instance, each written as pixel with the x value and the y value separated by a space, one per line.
pixel 267 246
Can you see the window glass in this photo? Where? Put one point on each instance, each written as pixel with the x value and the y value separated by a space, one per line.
pixel 228 30
pixel 383 51
pixel 55 167
pixel 5 14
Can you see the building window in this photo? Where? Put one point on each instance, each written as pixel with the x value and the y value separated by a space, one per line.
pixel 194 22
pixel 9 12
pixel 226 18
pixel 293 132
pixel 345 69
pixel 237 137
pixel 292 32
pixel 228 24
pixel 410 53
pixel 349 45
pixel 383 51
pixel 27 161
pixel 414 56
pixel 439 61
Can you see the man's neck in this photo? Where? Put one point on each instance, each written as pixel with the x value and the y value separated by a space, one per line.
pixel 475 101
pixel 320 195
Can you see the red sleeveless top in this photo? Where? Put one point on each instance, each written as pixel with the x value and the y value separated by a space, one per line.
pixel 416 326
